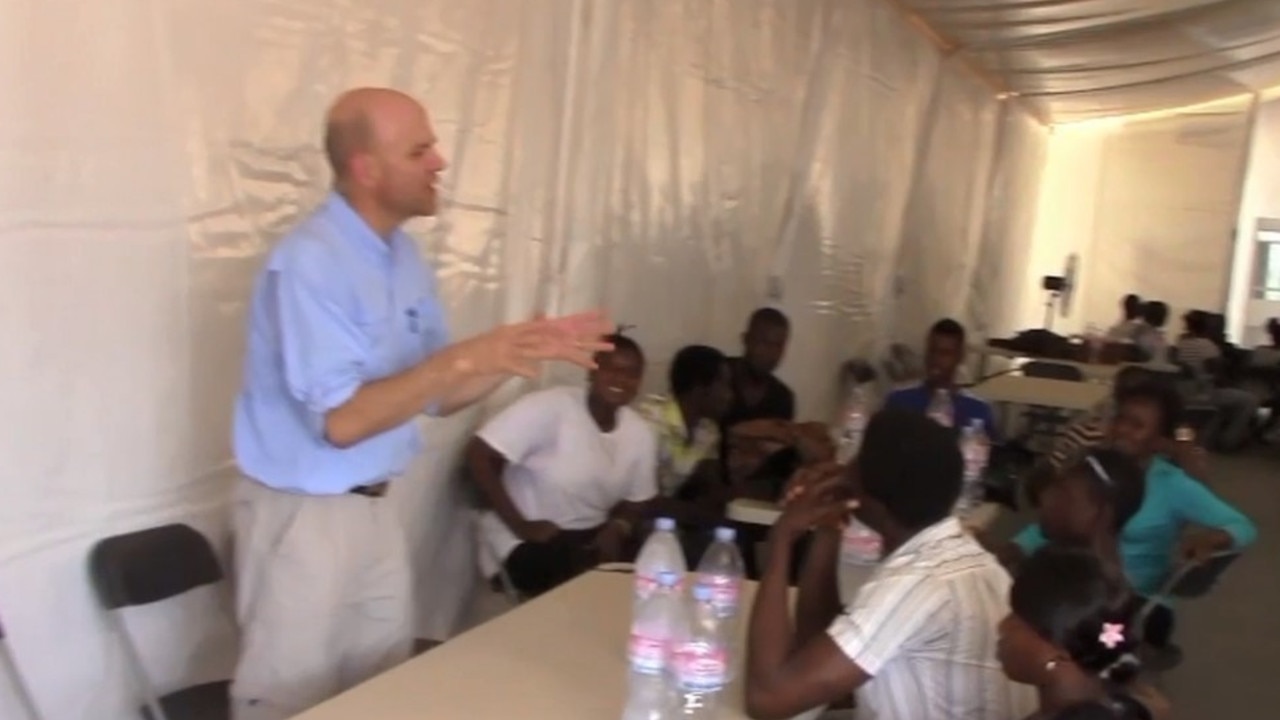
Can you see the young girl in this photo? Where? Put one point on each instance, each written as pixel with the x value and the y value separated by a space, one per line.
pixel 1068 634
pixel 1155 538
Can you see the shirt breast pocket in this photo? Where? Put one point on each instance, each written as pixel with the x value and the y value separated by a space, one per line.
pixel 375 325
pixel 427 326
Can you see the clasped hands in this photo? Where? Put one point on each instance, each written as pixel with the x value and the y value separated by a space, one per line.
pixel 815 498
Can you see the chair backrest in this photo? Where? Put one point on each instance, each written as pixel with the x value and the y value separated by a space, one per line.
pixel 143 567
pixel 1196 580
pixel 147 566
pixel 1053 371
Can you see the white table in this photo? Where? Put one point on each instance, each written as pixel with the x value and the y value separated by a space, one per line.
pixel 763 512
pixel 561 656
pixel 1022 390
pixel 1099 372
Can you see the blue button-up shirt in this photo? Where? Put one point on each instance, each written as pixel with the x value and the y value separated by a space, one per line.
pixel 335 307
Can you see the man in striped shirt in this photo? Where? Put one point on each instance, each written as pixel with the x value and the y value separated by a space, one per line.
pixel 919 640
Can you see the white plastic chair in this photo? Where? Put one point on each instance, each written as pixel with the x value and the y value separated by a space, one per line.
pixel 9 667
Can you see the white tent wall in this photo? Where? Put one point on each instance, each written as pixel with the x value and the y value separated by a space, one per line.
pixel 1150 204
pixel 1247 314
pixel 660 159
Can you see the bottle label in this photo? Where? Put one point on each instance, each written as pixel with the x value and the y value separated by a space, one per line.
pixel 724 593
pixel 646 585
pixel 646 653
pixel 862 545
pixel 700 666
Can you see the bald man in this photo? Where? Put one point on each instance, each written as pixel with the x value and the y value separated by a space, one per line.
pixel 347 346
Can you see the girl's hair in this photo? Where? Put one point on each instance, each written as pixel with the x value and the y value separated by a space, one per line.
pixel 1114 479
pixel 1067 596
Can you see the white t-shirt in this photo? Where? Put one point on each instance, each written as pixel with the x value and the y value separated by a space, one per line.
pixel 562 468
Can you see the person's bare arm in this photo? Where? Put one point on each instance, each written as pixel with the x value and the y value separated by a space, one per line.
pixel 469 392
pixel 485 466
pixel 785 678
pixel 818 599
pixel 384 404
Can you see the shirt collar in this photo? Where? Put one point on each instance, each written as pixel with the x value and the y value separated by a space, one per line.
pixel 947 529
pixel 354 227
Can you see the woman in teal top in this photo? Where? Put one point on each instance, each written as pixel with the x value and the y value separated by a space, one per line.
pixel 1152 542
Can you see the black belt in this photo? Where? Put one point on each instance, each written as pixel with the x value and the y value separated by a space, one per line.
pixel 375 490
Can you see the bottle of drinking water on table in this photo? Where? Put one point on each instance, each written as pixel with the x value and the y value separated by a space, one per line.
pixel 975 449
pixel 942 408
pixel 657 620
pixel 853 424
pixel 700 657
pixel 661 553
pixel 860 545
pixel 721 571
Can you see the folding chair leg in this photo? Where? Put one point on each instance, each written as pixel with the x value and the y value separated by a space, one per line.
pixel 20 690
pixel 136 668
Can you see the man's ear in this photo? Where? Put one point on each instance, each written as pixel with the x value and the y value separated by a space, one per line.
pixel 364 169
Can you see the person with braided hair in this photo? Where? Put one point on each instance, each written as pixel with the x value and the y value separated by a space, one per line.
pixel 1068 634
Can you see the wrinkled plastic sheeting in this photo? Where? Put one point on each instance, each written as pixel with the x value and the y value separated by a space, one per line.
pixel 660 159
pixel 1078 59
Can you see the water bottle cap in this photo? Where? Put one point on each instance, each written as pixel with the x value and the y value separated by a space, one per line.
pixel 665 523
pixel 726 534
pixel 668 579
pixel 701 593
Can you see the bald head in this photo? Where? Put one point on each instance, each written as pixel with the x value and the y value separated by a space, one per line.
pixel 359 120
pixel 381 147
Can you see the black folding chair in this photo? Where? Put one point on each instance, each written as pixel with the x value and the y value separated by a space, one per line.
pixel 144 567
pixel 1188 581
pixel 19 686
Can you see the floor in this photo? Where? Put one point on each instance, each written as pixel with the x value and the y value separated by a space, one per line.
pixel 1231 638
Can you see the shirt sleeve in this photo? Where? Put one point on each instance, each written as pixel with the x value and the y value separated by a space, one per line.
pixel 887 617
pixel 523 427
pixel 1030 539
pixel 324 352
pixel 644 473
pixel 1193 502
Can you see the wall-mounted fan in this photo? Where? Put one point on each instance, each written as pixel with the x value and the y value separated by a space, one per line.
pixel 1060 289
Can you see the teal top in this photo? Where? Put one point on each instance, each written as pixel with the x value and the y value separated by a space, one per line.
pixel 1148 541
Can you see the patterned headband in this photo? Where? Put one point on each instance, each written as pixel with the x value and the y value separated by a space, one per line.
pixel 1098 469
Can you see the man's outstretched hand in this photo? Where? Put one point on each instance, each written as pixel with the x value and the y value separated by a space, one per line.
pixel 520 348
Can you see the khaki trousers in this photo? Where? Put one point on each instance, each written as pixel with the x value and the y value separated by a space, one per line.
pixel 323 597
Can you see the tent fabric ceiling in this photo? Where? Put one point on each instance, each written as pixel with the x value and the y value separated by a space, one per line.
pixel 1071 60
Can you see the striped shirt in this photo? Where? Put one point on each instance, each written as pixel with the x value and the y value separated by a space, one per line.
pixel 924 628
pixel 1196 352
pixel 1082 436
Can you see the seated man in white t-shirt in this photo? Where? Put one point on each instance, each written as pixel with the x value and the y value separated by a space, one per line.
pixel 919 639
pixel 565 472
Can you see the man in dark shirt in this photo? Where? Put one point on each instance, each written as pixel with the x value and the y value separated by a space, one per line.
pixel 758 394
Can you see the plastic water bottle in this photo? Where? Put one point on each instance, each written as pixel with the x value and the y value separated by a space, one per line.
pixel 661 553
pixel 658 619
pixel 860 545
pixel 853 424
pixel 721 571
pixel 975 448
pixel 700 657
pixel 942 408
